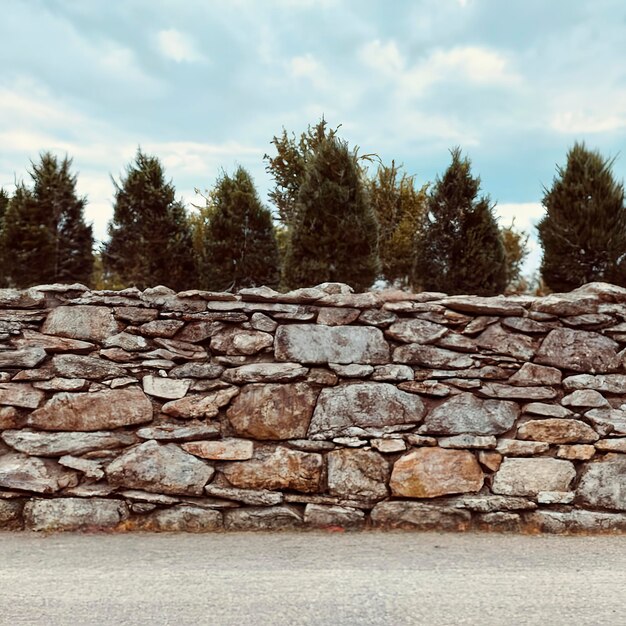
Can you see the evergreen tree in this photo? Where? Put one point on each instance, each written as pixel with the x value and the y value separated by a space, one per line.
pixel 459 248
pixel 334 236
pixel 4 204
pixel 583 233
pixel 45 237
pixel 149 236
pixel 515 244
pixel 239 243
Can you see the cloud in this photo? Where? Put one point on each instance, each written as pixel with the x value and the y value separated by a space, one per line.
pixel 384 57
pixel 177 46
pixel 580 122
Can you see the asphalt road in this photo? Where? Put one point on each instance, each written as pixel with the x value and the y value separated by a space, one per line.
pixel 311 578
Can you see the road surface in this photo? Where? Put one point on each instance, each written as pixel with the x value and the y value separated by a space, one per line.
pixel 311 578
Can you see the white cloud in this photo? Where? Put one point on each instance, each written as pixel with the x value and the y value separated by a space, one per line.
pixel 579 122
pixel 384 57
pixel 304 66
pixel 177 46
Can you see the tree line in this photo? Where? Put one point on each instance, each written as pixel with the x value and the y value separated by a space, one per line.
pixel 339 216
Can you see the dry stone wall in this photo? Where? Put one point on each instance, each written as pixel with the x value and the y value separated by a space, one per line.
pixel 317 408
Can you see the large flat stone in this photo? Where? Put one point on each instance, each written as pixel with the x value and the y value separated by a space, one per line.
pixel 512 392
pixel 20 395
pixel 313 343
pixel 253 497
pixel 74 514
pixel 176 432
pixel 481 305
pixel 197 406
pixel 20 471
pixel 431 356
pixel 416 331
pixel 80 366
pixel 575 521
pixel 532 374
pixel 501 341
pixel 24 357
pixel 557 430
pixel 166 388
pixel 91 323
pixel 528 477
pixel 273 411
pixel 21 299
pixel 223 450
pixel 265 373
pixel 358 473
pixel 603 483
pixel 608 383
pixel 282 517
pixel 183 519
pixel 419 516
pixel 240 341
pixel 98 410
pixel 333 516
pixel 363 408
pixel 432 472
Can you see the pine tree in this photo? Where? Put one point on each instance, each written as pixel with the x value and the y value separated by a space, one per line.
pixel 238 240
pixel 516 250
pixel 583 233
pixel 45 237
pixel 335 234
pixel 149 236
pixel 460 249
pixel 4 205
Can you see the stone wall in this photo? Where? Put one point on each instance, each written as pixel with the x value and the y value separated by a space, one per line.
pixel 317 408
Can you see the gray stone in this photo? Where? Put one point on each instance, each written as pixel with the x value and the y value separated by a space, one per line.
pixel 546 410
pixel 555 497
pixel 166 388
pixel 612 445
pixel 197 370
pixel 527 325
pixel 420 440
pixel 575 521
pixel 608 420
pixel 608 383
pixel 419 516
pixel 128 342
pixel 80 366
pixel 223 450
pixel 260 321
pixel 136 495
pixel 160 328
pixel 25 357
pixel 416 331
pixel 426 388
pixel 376 317
pixel 501 341
pixel 196 332
pixel 16 298
pixel 360 473
pixel 253 497
pixel 308 343
pixel 459 343
pixel 532 374
pixel 20 395
pixel 11 514
pixel 478 324
pixel 499 522
pixel 91 323
pixel 489 503
pixel 511 392
pixel 603 483
pixel 354 370
pixel 281 517
pixel 557 430
pixel 183 518
pixel 527 477
pixel 240 341
pixel 197 406
pixel 468 441
pixel 515 447
pixel 565 304
pixel 88 467
pixel 265 373
pixel 431 356
pixel 392 373
pixel 465 413
pixel 388 446
pixel 363 408
pixel 483 306
pixel 74 514
pixel 65 384
pixel 585 398
pixel 20 471
pixel 337 316
pixel 175 432
pixel 160 468
pixel 329 516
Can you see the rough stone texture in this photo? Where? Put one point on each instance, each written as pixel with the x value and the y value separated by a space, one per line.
pixel 183 518
pixel 416 331
pixel 277 468
pixel 527 477
pixel 74 514
pixel 554 430
pixel 585 398
pixel 501 341
pixel 419 516
pixel 11 514
pixel 575 521
pixel 253 497
pixel 160 469
pixel 577 452
pixel 273 411
pixel 79 366
pixel 432 472
pixel 603 483
pixel 91 323
pixel 546 410
pixel 197 406
pixel 431 356
pixel 515 447
pixel 465 413
pixel 26 357
pixel 263 518
pixel 224 450
pixel 329 516
pixel 93 411
pixel 511 392
pixel 20 471
pixel 175 432
pixel 337 316
pixel 532 374
pixel 363 408
pixel 16 394
pixel 608 421
pixel 265 373
pixel 236 341
pixel 609 383
pixel 388 446
pixel 358 473
pixel 468 441
pixel 392 373
pixel 579 350
pixel 490 504
pixel 166 388
pixel 304 343
pixel 490 460
pixel 611 445
pixel 353 370
pixel 483 306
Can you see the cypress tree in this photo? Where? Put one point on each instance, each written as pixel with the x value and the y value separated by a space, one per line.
pixel 149 236
pixel 459 249
pixel 334 236
pixel 583 232
pixel 239 244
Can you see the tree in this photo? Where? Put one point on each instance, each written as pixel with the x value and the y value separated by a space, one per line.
pixel 399 208
pixel 4 204
pixel 45 236
pixel 459 248
pixel 583 232
pixel 334 235
pixel 236 236
pixel 515 244
pixel 149 236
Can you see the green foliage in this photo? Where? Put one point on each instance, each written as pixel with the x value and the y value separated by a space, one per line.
pixel 583 233
pixel 334 235
pixel 4 205
pixel 460 249
pixel 235 237
pixel 515 244
pixel 399 208
pixel 150 239
pixel 44 237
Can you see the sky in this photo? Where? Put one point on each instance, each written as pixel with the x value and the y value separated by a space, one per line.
pixel 206 84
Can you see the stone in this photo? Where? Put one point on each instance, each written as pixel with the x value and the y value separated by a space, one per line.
pixel 577 452
pixel 392 373
pixel 363 408
pixel 20 471
pixel 80 366
pixel 432 472
pixel 527 477
pixel 546 410
pixel 175 432
pixel 99 410
pixel 608 383
pixel 465 413
pixel 160 468
pixel 320 376
pixel 585 398
pixel 11 514
pixel 183 518
pixel 329 516
pixel 511 392
pixel 25 357
pixel 125 381
pixel 579 350
pixel 277 468
pixel 74 514
pixel 120 356
pixel 20 395
pixel 431 356
pixel 273 411
pixel 557 430
pixel 89 489
pixel 489 372
pixel 160 328
pixel 388 446
pixel 223 450
pixel 198 406
pixel 490 459
pixel 459 343
pixel 166 388
pixel 337 316
pixel 489 503
pixel 37 443
pixel 565 304
pixel 532 374
pixel 198 331
pixel 65 384
pixel 515 447
pixel 253 497
pixel 526 325
pixel 10 418
pixel 575 521
pixel 588 320
pixel 367 300
pixel 468 441
pixel 240 341
pixel 607 421
pixel 358 473
pixel 416 331
pixel 611 445
pixel 499 522
pixel 197 370
pixel 90 323
pixel 603 483
pixel 311 446
pixel 555 497
pixel 375 317
pixel 127 341
pixel 484 305
pixel 265 373
pixel 282 517
pixel 21 299
pixel 135 315
pixel 178 350
pixel 419 516
pixel 354 370
pixel 478 324
pixel 136 495
pixel 260 321
pixel 308 343
pixel 426 388
pixel 350 442
pixel 501 341
pixel 91 469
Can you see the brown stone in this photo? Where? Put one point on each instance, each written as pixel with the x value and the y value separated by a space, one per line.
pixel 555 430
pixel 501 341
pixel 431 356
pixel 546 410
pixel 20 395
pixel 532 374
pixel 432 472
pixel 223 450
pixel 240 341
pixel 608 383
pixel 161 328
pixel 10 418
pixel 358 473
pixel 197 406
pixel 527 477
pixel 416 331
pixel 515 447
pixel 16 298
pixel 483 306
pixel 90 323
pixel 80 366
pixel 527 325
pixel 176 432
pixel 419 516
pixel 337 316
pixel 265 373
pixel 20 471
pixel 281 517
pixel 253 497
pixel 577 452
pixel 426 388
pixel 490 459
pixel 329 516
pixel 24 357
pixel 74 514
